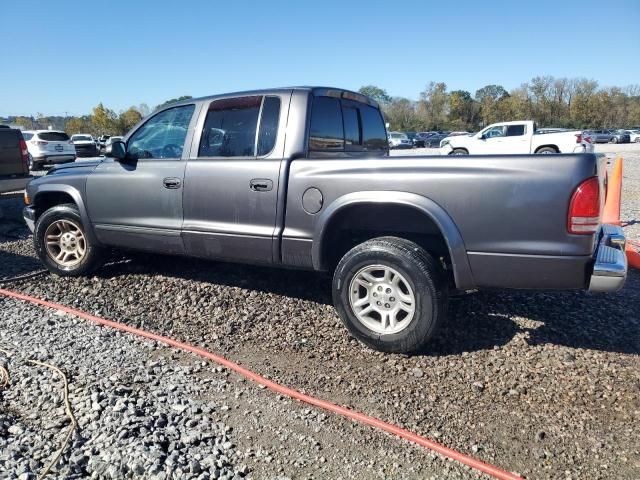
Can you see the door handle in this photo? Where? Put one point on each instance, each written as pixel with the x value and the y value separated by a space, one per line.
pixel 171 183
pixel 261 184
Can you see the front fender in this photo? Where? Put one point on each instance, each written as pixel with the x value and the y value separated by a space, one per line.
pixel 460 263
pixel 73 192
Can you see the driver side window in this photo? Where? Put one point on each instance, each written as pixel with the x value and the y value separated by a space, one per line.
pixel 497 131
pixel 163 135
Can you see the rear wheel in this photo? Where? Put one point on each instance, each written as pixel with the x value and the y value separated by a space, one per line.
pixel 613 140
pixel 546 151
pixel 390 294
pixel 62 244
pixel 459 151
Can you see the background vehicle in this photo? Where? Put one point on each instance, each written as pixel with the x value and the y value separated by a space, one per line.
pixel 110 140
pixel 634 135
pixel 214 178
pixel 433 141
pixel 85 145
pixel 620 136
pixel 48 147
pixel 14 165
pixel 516 137
pixel 399 140
pixel 102 140
pixel 416 139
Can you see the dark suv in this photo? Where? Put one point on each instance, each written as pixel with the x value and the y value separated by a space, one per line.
pixel 14 164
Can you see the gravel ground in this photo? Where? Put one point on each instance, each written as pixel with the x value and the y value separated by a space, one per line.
pixel 545 384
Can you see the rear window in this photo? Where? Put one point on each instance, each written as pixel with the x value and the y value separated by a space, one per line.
pixel 81 138
pixel 53 136
pixel 345 125
pixel 516 130
pixel 230 128
pixel 373 133
pixel 326 131
pixel 9 138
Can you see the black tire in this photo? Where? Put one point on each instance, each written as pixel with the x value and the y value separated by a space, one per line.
pixel 459 151
pixel 422 272
pixel 546 150
pixel 93 256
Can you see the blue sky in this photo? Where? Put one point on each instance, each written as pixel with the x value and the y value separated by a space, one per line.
pixel 68 55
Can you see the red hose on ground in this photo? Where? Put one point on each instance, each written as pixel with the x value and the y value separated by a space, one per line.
pixel 289 392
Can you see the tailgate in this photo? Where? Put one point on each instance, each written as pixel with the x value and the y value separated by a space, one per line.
pixel 10 153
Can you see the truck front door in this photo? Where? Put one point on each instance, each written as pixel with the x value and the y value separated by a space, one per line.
pixel 232 178
pixel 137 203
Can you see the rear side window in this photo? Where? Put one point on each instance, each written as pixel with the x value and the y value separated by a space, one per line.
pixel 268 125
pixel 27 136
pixel 516 130
pixel 326 131
pixel 352 128
pixel 9 138
pixel 230 128
pixel 54 136
pixel 373 131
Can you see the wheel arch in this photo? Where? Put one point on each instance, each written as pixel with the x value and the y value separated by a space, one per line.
pixel 550 145
pixel 416 206
pixel 50 195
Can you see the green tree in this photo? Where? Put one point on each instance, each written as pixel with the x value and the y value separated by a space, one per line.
pixel 104 121
pixel 128 119
pixel 25 122
pixel 78 125
pixel 433 107
pixel 378 94
pixel 174 100
pixel 462 110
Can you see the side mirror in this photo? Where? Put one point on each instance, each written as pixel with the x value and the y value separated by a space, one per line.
pixel 482 136
pixel 117 150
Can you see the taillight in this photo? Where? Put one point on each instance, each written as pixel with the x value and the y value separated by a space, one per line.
pixel 584 209
pixel 25 155
pixel 39 143
pixel 583 137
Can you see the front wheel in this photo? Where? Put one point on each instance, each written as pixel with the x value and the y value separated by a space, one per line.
pixel 459 151
pixel 390 294
pixel 61 242
pixel 613 140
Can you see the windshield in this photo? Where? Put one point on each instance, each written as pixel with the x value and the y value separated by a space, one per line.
pixel 81 138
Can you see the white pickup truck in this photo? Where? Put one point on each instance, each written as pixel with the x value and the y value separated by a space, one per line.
pixel 516 137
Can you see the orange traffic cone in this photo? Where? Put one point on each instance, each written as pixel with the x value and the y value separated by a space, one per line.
pixel 633 253
pixel 611 213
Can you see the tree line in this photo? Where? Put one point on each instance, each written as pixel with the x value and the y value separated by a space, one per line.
pixel 552 102
pixel 102 120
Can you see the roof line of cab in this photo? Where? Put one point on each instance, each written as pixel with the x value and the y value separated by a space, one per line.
pixel 317 91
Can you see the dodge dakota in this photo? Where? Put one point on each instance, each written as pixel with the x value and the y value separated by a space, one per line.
pixel 301 178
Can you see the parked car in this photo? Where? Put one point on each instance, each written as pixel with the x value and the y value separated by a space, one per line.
pixel 434 140
pixel 102 141
pixel 620 136
pixel 398 234
pixel 516 137
pixel 634 135
pixel 48 147
pixel 14 164
pixel 110 140
pixel 399 140
pixel 416 139
pixel 85 145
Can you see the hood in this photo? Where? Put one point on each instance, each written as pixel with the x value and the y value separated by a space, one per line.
pixel 75 167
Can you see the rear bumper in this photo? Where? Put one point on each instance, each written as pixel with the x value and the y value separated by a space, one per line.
pixel 610 267
pixel 13 183
pixel 55 159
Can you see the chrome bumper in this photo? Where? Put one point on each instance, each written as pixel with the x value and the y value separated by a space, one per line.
pixel 610 267
pixel 29 215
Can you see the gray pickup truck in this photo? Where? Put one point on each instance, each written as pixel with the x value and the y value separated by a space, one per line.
pixel 302 178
